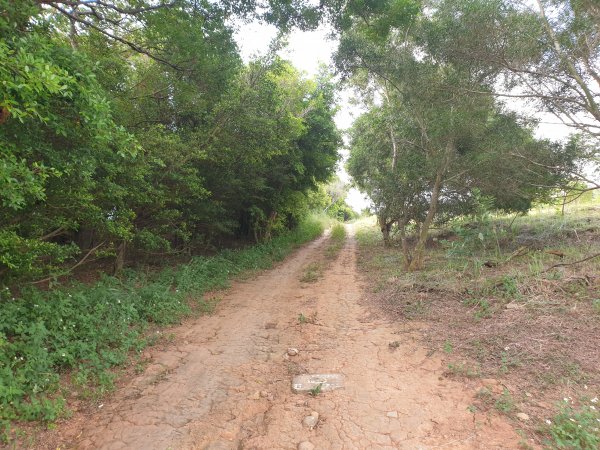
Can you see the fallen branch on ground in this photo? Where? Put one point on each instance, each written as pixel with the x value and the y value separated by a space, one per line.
pixel 595 255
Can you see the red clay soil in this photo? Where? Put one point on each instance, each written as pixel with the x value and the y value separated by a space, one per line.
pixel 226 382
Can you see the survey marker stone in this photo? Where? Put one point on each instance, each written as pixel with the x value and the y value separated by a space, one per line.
pixel 309 382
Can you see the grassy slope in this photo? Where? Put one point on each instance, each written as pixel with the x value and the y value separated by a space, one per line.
pixel 536 329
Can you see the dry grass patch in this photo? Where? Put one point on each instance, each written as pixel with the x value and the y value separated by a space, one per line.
pixel 535 330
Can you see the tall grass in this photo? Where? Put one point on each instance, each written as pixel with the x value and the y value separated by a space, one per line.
pixel 87 329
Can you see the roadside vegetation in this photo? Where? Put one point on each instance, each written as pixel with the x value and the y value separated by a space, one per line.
pixel 65 343
pixel 506 305
pixel 141 156
pixel 337 240
pixel 142 163
pixel 457 171
pixel 314 271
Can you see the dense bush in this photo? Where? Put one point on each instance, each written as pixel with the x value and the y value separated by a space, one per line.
pixel 108 149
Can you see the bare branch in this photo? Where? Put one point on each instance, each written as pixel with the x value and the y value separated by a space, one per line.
pixel 130 44
pixel 80 262
pixel 595 255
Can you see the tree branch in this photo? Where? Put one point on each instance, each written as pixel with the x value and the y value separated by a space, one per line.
pixel 81 261
pixel 595 255
pixel 130 44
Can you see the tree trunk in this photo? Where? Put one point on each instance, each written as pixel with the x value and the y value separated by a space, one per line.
pixel 417 261
pixel 120 259
pixel 405 246
pixel 385 229
pixel 270 225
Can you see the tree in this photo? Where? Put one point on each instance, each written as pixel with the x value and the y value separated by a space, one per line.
pixel 433 143
pixel 108 147
pixel 59 143
pixel 545 53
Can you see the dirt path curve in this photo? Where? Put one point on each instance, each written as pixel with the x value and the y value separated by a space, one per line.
pixel 227 385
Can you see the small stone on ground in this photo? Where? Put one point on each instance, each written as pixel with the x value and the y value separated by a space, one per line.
pixel 310 422
pixel 254 396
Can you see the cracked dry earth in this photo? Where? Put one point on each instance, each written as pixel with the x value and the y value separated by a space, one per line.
pixel 227 383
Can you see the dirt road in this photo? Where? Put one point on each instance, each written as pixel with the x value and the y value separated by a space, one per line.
pixel 227 384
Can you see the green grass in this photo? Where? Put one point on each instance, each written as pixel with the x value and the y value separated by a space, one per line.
pixel 86 330
pixel 505 402
pixel 576 428
pixel 337 239
pixel 312 273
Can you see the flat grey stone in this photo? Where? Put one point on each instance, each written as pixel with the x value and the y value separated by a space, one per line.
pixel 308 382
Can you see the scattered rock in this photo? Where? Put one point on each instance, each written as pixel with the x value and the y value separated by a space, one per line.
pixel 514 305
pixel 528 394
pixel 315 414
pixel 522 416
pixel 254 396
pixel 392 414
pixel 292 351
pixel 264 394
pixel 306 446
pixel 310 422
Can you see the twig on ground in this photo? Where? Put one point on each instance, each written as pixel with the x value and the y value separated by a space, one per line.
pixel 595 255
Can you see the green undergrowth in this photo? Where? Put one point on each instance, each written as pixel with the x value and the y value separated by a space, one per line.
pixel 85 330
pixel 576 428
pixel 338 237
pixel 315 270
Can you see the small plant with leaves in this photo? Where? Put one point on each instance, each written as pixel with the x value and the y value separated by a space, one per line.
pixel 576 428
pixel 505 402
pixel 482 307
pixel 448 347
pixel 316 390
pixel 463 370
pixel 312 318
pixel 312 273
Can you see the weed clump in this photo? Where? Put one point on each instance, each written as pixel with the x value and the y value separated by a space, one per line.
pixel 576 428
